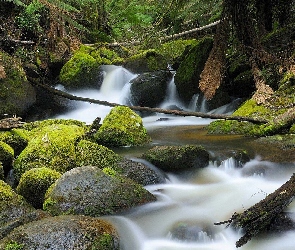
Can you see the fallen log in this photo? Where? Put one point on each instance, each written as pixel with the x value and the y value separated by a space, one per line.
pixel 262 216
pixel 145 109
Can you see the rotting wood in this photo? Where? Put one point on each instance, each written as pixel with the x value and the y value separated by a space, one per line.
pixel 260 217
pixel 145 109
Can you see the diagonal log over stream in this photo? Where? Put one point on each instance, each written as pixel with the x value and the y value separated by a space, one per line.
pixel 139 108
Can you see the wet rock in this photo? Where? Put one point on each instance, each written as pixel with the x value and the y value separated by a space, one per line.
pixel 91 191
pixel 149 89
pixel 173 158
pixel 14 210
pixel 64 232
pixel 140 172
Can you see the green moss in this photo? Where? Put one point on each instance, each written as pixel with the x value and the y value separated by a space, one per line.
pixel 34 183
pixel 92 154
pixel 6 192
pixel 6 156
pixel 122 127
pixel 51 146
pixel 251 109
pixel 80 71
pixel 292 129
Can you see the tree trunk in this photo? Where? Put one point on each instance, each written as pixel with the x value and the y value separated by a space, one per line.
pixel 262 216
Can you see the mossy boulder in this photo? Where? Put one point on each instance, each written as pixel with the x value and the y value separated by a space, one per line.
pixel 82 70
pixel 34 183
pixel 14 210
pixel 146 61
pixel 91 191
pixel 174 158
pixel 6 156
pixel 141 172
pixel 15 139
pixel 51 146
pixel 188 73
pixel 16 93
pixel 91 154
pixel 64 232
pixel 149 89
pixel 122 127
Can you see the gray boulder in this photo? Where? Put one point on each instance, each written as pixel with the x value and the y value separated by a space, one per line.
pixel 63 232
pixel 91 191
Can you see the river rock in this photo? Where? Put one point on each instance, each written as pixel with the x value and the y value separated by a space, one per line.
pixel 149 89
pixel 90 191
pixel 14 210
pixel 173 158
pixel 63 232
pixel 140 172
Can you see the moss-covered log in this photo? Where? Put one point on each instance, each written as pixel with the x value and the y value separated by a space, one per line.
pixel 260 217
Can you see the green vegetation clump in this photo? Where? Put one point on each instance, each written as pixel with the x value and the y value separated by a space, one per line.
pixel 51 146
pixel 1 171
pixel 14 246
pixel 122 127
pixel 91 154
pixel 34 183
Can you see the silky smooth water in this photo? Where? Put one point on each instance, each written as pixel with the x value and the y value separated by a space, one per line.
pixel 189 203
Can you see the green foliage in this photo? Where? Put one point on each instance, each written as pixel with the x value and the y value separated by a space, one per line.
pixel 29 20
pixel 122 127
pixel 14 246
pixel 34 184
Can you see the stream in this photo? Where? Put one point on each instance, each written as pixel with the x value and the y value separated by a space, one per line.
pixel 189 203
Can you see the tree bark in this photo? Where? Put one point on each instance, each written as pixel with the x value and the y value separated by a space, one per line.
pixel 262 216
pixel 139 108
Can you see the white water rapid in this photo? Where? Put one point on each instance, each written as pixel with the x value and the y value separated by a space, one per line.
pixel 188 205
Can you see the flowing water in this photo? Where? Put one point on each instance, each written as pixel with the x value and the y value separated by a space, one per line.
pixel 190 203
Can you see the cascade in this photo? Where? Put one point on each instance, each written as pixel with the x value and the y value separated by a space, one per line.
pixel 187 206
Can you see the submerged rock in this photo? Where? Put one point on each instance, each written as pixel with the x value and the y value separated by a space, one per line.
pixel 64 232
pixel 173 158
pixel 91 191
